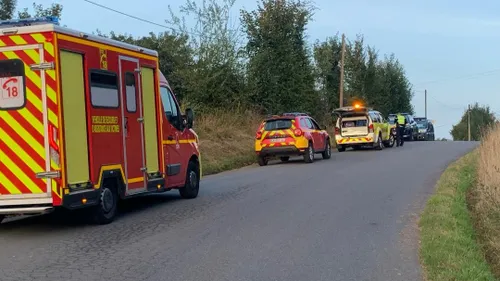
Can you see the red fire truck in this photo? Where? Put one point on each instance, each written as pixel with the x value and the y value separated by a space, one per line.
pixel 86 121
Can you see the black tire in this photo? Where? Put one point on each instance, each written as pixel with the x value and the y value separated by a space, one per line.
pixel 2 217
pixel 284 158
pixel 309 154
pixel 390 142
pixel 192 186
pixel 378 144
pixel 105 211
pixel 327 154
pixel 262 161
pixel 340 148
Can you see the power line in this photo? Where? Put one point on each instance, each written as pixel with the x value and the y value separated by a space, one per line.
pixel 445 104
pixel 130 16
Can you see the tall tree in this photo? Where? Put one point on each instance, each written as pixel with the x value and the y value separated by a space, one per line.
pixel 39 11
pixel 355 70
pixel 7 8
pixel 217 77
pixel 327 55
pixel 279 69
pixel 481 120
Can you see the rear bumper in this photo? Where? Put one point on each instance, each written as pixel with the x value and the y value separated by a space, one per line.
pixel 26 210
pixel 280 151
pixel 347 141
pixel 25 204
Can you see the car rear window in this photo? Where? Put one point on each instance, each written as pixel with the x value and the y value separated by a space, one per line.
pixel 354 123
pixel 12 86
pixel 278 124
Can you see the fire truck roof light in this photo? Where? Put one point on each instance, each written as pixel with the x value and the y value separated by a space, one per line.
pixel 29 21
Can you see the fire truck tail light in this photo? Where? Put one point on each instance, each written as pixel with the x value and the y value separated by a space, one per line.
pixel 54 145
pixel 53 137
pixel 337 131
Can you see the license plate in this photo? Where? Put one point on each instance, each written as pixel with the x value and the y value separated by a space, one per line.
pixel 278 140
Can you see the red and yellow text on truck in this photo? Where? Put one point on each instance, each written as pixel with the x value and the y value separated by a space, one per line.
pixel 86 121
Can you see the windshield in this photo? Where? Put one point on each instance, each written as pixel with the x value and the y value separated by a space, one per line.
pixel 422 125
pixel 279 124
pixel 392 119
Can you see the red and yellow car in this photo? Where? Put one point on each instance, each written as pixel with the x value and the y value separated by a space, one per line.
pixel 291 134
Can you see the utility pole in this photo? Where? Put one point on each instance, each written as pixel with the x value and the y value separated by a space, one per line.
pixel 425 104
pixel 341 90
pixel 468 122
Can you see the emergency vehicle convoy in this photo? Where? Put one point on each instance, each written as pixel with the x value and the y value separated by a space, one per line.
pixel 86 121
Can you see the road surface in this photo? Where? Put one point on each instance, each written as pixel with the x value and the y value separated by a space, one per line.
pixel 352 217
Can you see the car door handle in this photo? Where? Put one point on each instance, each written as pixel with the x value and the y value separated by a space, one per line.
pixel 170 138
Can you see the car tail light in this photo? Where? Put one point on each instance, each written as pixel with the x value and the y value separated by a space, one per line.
pixel 370 128
pixel 258 135
pixel 337 131
pixel 297 132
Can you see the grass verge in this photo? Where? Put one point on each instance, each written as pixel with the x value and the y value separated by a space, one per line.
pixel 485 198
pixel 226 139
pixel 449 248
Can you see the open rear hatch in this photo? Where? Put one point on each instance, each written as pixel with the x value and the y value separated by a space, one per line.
pixel 353 121
pixel 354 126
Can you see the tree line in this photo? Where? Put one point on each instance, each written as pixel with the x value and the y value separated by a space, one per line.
pixel 262 62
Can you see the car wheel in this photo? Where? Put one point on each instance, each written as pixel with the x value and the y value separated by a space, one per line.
pixel 340 148
pixel 309 154
pixel 285 158
pixel 105 211
pixel 327 154
pixel 379 145
pixel 192 186
pixel 262 161
pixel 390 142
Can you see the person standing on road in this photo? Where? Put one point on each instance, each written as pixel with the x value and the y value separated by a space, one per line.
pixel 400 129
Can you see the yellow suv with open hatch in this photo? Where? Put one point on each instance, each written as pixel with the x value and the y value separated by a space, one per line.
pixel 359 126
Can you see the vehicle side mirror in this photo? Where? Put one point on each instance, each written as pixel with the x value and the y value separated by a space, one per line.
pixel 189 118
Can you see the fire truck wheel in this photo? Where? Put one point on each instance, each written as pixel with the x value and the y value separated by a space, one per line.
pixel 192 186
pixel 105 211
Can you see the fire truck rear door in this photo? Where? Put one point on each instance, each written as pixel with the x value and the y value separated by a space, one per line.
pixel 27 114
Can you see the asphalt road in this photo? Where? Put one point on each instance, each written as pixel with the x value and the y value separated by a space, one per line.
pixel 352 217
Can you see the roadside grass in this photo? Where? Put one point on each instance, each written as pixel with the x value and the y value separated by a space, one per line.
pixel 485 198
pixel 449 248
pixel 226 139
